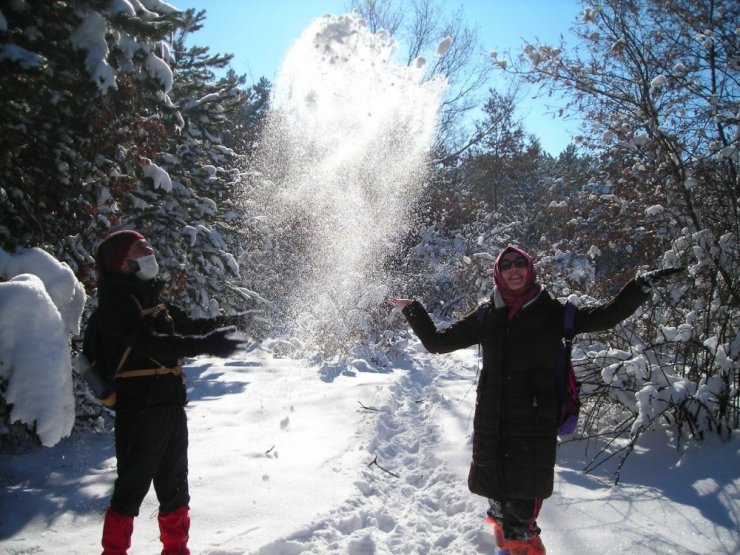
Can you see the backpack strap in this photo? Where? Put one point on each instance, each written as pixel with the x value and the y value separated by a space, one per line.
pixel 569 331
pixel 482 311
pixel 481 315
pixel 570 321
pixel 125 355
pixel 177 370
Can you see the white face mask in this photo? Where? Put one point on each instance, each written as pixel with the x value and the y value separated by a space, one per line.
pixel 148 267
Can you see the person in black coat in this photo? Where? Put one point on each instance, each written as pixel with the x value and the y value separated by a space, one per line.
pixel 145 341
pixel 516 415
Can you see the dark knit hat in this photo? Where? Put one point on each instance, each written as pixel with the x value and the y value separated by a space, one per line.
pixel 113 250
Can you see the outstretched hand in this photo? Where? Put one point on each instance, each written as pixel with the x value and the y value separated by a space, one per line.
pixel 657 278
pixel 400 303
pixel 222 342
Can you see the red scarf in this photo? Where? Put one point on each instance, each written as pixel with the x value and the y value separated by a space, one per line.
pixel 516 299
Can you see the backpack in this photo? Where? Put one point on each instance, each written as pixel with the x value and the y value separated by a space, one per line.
pixel 566 386
pixel 99 374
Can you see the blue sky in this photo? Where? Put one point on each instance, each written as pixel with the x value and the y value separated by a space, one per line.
pixel 260 32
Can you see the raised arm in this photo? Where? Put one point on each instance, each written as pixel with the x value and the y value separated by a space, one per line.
pixel 629 298
pixel 461 334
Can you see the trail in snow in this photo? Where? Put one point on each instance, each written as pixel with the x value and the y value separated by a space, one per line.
pixel 415 503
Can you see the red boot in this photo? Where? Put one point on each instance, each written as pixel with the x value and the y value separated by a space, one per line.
pixel 174 528
pixel 498 530
pixel 117 530
pixel 532 546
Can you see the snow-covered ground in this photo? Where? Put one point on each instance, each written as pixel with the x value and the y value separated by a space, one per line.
pixel 281 464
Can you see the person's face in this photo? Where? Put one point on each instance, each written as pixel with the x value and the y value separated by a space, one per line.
pixel 513 269
pixel 137 250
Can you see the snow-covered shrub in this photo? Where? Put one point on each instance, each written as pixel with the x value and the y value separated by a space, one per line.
pixel 675 365
pixel 41 306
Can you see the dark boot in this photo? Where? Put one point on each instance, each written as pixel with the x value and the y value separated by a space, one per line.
pixel 117 530
pixel 174 528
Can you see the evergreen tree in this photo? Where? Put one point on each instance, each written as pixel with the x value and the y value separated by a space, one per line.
pixel 505 160
pixel 109 121
pixel 84 103
pixel 191 220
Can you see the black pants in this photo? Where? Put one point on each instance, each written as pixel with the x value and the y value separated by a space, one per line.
pixel 151 446
pixel 518 517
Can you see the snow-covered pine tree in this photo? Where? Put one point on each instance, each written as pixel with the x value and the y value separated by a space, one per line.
pixel 99 132
pixel 81 120
pixel 194 220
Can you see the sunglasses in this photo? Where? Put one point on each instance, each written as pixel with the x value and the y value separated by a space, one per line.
pixel 509 264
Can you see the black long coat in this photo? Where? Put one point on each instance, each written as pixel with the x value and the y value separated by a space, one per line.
pixel 515 423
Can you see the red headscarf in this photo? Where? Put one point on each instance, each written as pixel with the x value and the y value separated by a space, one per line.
pixel 516 299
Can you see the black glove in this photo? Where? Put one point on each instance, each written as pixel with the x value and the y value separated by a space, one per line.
pixel 656 278
pixel 220 343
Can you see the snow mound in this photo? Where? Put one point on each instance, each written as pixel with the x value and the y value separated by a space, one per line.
pixel 35 359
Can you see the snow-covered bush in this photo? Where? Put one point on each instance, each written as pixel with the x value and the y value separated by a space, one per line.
pixel 41 306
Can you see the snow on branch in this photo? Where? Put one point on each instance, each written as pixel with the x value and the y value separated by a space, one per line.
pixel 90 37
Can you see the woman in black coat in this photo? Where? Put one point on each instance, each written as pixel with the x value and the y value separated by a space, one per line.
pixel 138 338
pixel 516 414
